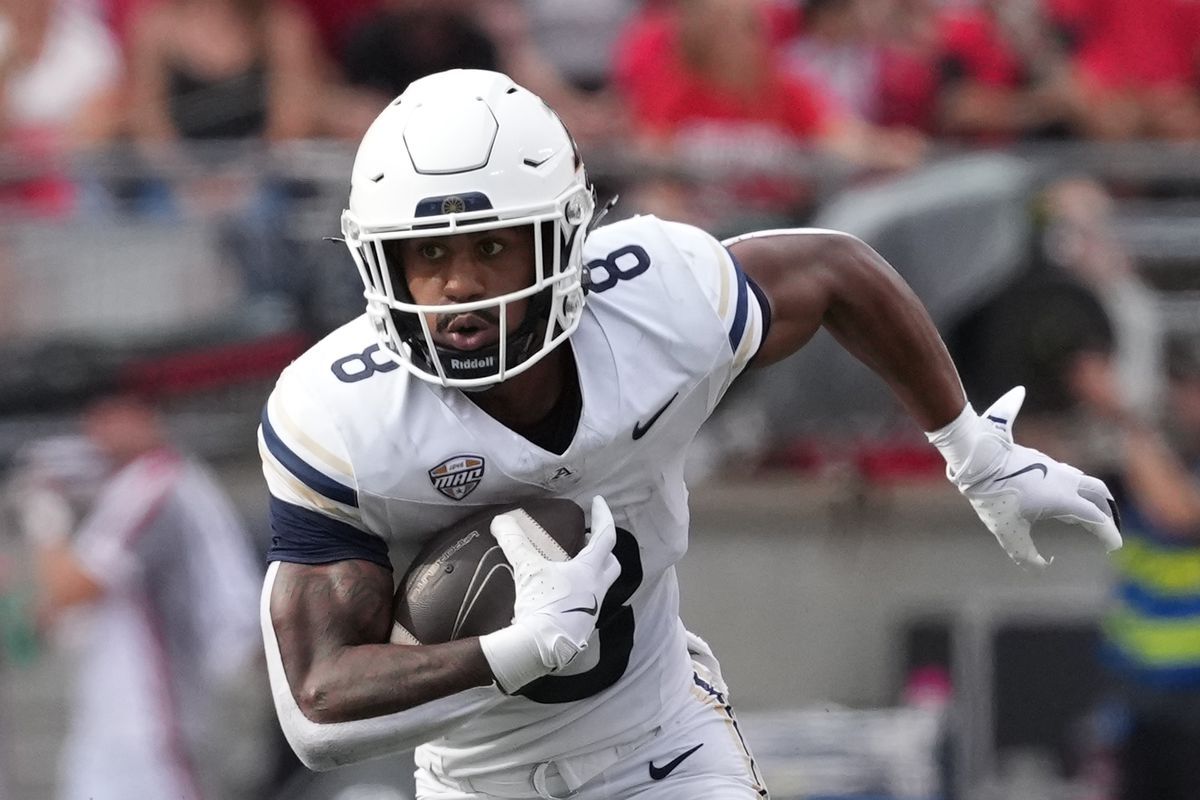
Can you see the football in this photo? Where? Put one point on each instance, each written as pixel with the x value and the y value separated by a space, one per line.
pixel 461 585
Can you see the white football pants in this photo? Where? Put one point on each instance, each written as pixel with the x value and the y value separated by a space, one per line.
pixel 700 753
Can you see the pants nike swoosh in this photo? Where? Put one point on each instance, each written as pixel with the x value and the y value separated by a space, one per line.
pixel 658 773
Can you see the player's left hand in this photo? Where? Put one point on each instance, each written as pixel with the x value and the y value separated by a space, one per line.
pixel 1011 486
pixel 557 603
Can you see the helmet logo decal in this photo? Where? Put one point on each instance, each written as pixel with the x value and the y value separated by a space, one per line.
pixel 457 476
pixel 452 204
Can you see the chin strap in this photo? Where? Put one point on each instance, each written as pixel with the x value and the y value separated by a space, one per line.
pixel 467 364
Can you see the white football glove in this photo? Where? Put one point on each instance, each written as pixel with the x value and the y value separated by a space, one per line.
pixel 557 602
pixel 1011 486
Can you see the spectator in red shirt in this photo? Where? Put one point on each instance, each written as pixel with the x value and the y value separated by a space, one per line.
pixel 1136 65
pixel 709 65
pixel 1004 73
pixel 908 81
pixel 858 51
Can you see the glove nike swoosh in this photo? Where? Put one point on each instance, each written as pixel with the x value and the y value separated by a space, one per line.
pixel 1030 468
pixel 584 609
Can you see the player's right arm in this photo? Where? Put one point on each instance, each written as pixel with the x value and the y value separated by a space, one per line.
pixel 331 623
pixel 342 692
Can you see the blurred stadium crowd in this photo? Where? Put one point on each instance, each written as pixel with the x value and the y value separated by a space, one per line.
pixel 204 143
pixel 168 169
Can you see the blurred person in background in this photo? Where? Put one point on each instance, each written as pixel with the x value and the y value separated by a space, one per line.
pixel 333 20
pixel 592 117
pixel 579 38
pixel 1078 294
pixel 1032 329
pixel 60 73
pixel 212 82
pixel 223 70
pixel 844 48
pixel 1152 629
pixel 1136 66
pixel 715 93
pixel 1004 72
pixel 162 581
pixel 402 40
pixel 909 82
pixel 1079 235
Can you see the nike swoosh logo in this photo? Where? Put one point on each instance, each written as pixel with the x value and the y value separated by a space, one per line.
pixel 658 773
pixel 639 430
pixel 1116 515
pixel 584 609
pixel 1030 468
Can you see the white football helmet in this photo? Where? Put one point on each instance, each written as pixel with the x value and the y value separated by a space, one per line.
pixel 465 151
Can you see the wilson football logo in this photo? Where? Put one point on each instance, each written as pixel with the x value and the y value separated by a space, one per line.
pixel 457 476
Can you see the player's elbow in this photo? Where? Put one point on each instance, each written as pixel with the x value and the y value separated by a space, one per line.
pixel 311 738
pixel 316 702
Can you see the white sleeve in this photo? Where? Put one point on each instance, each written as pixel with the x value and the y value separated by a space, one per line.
pixel 741 307
pixel 322 746
pixel 304 458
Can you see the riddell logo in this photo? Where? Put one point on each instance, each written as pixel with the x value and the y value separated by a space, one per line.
pixel 472 363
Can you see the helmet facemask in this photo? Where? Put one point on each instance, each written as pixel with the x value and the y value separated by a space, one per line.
pixel 554 298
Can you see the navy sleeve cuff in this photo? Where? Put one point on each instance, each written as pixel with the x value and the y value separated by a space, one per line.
pixel 302 536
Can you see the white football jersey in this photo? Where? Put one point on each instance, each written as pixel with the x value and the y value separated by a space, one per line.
pixel 364 461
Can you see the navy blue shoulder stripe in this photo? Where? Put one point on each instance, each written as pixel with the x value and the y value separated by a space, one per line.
pixel 745 287
pixel 740 311
pixel 310 476
pixel 764 305
pixel 302 536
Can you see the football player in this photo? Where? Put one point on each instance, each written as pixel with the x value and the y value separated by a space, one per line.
pixel 509 351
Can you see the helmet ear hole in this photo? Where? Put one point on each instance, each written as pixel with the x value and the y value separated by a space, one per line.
pixel 393 254
pixel 551 243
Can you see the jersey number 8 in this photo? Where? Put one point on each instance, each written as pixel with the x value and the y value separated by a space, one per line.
pixel 622 264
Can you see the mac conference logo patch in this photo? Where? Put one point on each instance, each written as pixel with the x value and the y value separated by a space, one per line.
pixel 457 476
pixel 453 205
